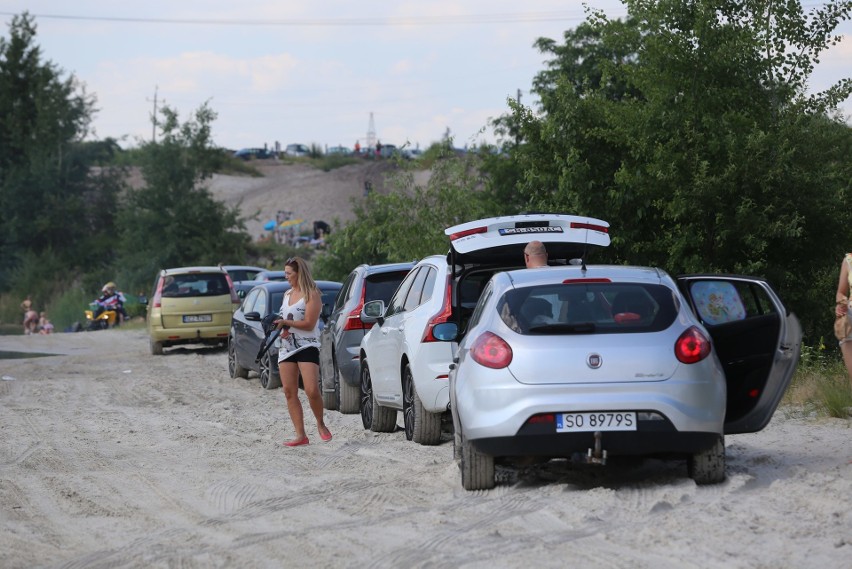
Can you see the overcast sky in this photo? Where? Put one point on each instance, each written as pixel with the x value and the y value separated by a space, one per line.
pixel 315 72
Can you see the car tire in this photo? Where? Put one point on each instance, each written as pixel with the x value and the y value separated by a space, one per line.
pixel 708 466
pixel 329 398
pixel 234 368
pixel 156 348
pixel 421 426
pixel 348 397
pixel 269 377
pixel 477 469
pixel 373 416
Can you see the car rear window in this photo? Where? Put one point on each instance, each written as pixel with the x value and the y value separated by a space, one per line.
pixel 381 286
pixel 588 308
pixel 195 284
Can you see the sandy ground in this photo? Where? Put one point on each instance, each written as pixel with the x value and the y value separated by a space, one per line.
pixel 115 458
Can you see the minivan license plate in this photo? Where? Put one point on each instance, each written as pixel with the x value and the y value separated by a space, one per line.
pixel 600 421
pixel 198 318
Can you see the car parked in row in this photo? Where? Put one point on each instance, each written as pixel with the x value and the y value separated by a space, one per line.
pixel 297 150
pixel 190 305
pixel 246 334
pixel 403 365
pixel 341 338
pixel 242 272
pixel 268 275
pixel 587 362
pixel 253 153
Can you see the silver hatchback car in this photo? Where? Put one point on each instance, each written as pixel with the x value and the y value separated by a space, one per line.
pixel 585 362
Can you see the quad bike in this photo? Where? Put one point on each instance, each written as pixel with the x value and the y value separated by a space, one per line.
pixel 104 320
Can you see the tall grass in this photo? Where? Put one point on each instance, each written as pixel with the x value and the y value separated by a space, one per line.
pixel 821 384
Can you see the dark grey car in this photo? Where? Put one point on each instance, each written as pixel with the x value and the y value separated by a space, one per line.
pixel 341 337
pixel 247 334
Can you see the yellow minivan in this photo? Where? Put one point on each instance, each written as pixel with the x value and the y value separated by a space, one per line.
pixel 191 305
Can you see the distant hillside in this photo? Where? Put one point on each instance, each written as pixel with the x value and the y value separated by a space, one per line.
pixel 307 192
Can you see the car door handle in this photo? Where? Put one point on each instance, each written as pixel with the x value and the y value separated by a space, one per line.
pixel 402 328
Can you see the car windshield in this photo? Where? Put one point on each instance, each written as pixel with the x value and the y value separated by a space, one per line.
pixel 592 308
pixel 195 284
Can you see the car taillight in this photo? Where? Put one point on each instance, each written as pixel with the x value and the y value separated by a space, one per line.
pixel 490 350
pixel 592 226
pixel 353 321
pixel 442 316
pixel 235 299
pixel 692 346
pixel 467 232
pixel 158 295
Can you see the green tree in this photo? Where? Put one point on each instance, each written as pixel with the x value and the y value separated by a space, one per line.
pixel 173 220
pixel 688 127
pixel 54 208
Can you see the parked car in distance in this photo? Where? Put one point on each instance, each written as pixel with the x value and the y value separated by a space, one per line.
pixel 190 305
pixel 242 272
pixel 297 150
pixel 594 361
pixel 267 275
pixel 403 366
pixel 341 338
pixel 338 151
pixel 249 153
pixel 389 151
pixel 246 331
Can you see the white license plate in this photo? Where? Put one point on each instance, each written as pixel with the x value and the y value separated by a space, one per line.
pixel 198 318
pixel 599 421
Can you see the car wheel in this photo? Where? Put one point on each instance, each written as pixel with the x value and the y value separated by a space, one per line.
pixel 374 416
pixel 156 348
pixel 329 398
pixel 708 466
pixel 421 426
pixel 347 397
pixel 234 368
pixel 477 469
pixel 269 378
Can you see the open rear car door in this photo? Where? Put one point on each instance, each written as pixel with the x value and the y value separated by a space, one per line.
pixel 756 339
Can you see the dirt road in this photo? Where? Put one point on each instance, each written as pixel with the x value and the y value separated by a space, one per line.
pixel 115 458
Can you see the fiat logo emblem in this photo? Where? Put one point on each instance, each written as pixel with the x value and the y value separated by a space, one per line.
pixel 594 361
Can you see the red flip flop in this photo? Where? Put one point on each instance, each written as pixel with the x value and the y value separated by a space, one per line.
pixel 298 442
pixel 326 438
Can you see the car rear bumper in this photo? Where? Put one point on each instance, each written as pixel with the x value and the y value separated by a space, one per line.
pixel 651 438
pixel 171 336
pixel 501 407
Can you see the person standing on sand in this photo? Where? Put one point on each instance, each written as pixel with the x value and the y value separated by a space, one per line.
pixel 30 316
pixel 299 350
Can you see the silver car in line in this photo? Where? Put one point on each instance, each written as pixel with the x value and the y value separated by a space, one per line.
pixel 585 362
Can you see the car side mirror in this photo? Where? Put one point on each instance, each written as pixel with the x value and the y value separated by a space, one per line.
pixel 446 331
pixel 241 294
pixel 373 312
pixel 253 316
pixel 325 313
pixel 143 300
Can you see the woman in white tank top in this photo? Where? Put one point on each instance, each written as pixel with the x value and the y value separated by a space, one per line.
pixel 299 348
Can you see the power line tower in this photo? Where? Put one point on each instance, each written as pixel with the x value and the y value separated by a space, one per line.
pixel 371 133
